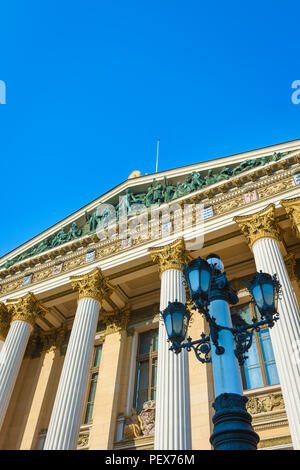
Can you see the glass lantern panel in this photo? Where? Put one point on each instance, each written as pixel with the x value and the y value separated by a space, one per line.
pixel 177 323
pixel 258 297
pixel 204 280
pixel 268 290
pixel 194 280
pixel 168 324
pixel 185 325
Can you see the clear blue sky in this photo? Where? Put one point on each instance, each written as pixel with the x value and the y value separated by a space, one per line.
pixel 91 84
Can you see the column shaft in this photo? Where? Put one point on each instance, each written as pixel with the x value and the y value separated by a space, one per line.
pixel 285 334
pixel 67 411
pixel 172 423
pixel 11 357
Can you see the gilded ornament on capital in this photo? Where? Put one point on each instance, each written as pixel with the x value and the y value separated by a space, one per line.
pixel 171 256
pixel 262 224
pixel 292 208
pixel 26 308
pixel 93 285
pixel 4 320
pixel 290 264
pixel 117 320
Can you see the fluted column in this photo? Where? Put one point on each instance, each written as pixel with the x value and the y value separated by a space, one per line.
pixel 172 420
pixel 263 235
pixel 22 313
pixel 67 411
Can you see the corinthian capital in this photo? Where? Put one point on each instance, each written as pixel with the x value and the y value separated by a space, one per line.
pixel 93 285
pixel 170 256
pixel 262 224
pixel 117 320
pixel 26 308
pixel 4 320
pixel 292 208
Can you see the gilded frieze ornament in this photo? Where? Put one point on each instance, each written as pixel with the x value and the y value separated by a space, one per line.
pixel 4 320
pixel 292 208
pixel 261 224
pixel 171 256
pixel 117 320
pixel 256 405
pixel 93 285
pixel 26 308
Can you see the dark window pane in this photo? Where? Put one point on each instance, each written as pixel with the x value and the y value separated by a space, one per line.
pixel 142 385
pixel 145 342
pixel 97 357
pixel 155 340
pixel 154 379
pixel 91 398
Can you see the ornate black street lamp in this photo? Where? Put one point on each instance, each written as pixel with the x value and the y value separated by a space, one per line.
pixel 211 293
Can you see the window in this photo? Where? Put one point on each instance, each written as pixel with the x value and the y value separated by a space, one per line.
pixel 93 383
pixel 207 212
pixel 259 369
pixel 145 388
pixel 297 178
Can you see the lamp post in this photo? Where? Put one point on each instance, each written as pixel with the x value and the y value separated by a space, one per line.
pixel 225 346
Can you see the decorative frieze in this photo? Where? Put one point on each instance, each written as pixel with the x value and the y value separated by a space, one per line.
pixel 265 404
pixel 271 189
pixel 275 442
pixel 261 224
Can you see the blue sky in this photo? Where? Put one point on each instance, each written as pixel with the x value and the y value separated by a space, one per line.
pixel 92 84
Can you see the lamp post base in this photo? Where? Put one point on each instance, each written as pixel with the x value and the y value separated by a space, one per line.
pixel 232 424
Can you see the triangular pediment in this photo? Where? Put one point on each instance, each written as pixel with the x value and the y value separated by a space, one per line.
pixel 158 189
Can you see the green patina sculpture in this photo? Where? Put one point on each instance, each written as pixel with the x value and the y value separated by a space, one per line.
pixel 59 238
pixel 74 232
pixel 156 194
pixel 170 190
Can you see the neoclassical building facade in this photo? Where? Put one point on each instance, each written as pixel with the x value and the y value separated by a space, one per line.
pixel 84 360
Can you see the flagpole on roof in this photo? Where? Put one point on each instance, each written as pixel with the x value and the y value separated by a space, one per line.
pixel 157 152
